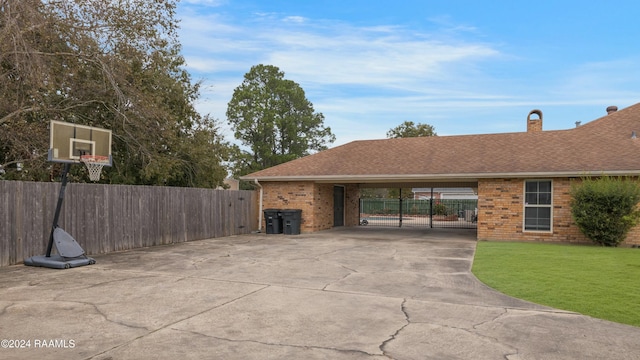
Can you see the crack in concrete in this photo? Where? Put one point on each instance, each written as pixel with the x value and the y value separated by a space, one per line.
pixel 176 322
pixel 516 354
pixel 395 335
pixel 106 318
pixel 344 351
pixel 472 331
pixel 475 332
pixel 491 339
pixel 94 306
pixel 348 268
pixel 194 263
pixel 181 277
pixel 338 250
pixel 4 308
pixel 115 281
pixel 504 312
pixel 342 278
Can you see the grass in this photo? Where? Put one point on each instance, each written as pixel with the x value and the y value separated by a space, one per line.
pixel 596 281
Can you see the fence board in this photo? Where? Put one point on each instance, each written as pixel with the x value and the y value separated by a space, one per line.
pixel 6 219
pixel 107 218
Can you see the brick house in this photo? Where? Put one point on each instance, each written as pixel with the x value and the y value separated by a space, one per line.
pixel 522 179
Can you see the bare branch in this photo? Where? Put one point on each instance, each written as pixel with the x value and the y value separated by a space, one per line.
pixel 17 113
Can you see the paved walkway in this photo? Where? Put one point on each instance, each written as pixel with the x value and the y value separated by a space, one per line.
pixel 353 293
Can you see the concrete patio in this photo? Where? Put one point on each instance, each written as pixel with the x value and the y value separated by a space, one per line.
pixel 351 293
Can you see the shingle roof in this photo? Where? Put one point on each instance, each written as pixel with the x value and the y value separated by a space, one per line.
pixel 604 145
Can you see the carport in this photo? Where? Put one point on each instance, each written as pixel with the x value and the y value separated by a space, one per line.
pixel 339 202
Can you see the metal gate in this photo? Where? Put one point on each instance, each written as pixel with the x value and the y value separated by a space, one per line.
pixel 433 213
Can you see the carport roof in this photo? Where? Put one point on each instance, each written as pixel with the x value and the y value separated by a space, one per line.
pixel 602 146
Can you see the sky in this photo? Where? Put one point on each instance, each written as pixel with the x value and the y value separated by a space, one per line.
pixel 464 67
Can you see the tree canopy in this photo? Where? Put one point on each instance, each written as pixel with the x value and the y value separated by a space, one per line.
pixel 115 65
pixel 410 129
pixel 272 117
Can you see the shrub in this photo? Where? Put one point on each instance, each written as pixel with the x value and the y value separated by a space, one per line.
pixel 605 209
pixel 440 209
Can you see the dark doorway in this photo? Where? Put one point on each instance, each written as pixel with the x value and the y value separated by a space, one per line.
pixel 338 206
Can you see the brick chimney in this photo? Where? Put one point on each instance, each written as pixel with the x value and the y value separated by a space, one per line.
pixel 534 125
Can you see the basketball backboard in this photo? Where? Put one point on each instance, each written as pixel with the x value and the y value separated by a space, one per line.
pixel 70 141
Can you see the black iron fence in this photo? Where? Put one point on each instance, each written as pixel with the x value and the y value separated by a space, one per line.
pixel 454 213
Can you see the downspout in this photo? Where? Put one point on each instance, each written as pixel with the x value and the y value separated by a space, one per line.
pixel 259 206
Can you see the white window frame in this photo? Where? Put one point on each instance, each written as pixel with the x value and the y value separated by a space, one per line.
pixel 525 205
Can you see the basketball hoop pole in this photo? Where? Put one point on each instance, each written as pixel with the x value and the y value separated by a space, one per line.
pixel 67 166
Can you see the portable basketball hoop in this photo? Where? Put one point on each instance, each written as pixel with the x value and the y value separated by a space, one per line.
pixel 94 164
pixel 72 144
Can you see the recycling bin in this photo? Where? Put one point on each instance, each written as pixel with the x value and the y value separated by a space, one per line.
pixel 273 221
pixel 291 219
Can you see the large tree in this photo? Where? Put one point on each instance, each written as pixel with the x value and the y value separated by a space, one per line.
pixel 410 129
pixel 272 117
pixel 115 65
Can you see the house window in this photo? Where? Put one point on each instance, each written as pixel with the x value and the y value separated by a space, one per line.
pixel 537 205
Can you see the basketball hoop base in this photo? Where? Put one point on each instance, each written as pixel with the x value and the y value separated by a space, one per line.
pixel 70 253
pixel 58 262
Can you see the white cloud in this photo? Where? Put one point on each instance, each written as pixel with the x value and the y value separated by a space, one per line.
pixel 366 80
pixel 386 57
pixel 617 79
pixel 295 19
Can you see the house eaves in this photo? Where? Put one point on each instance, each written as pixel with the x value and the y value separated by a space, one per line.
pixel 427 178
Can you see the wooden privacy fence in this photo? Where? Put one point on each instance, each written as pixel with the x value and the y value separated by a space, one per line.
pixel 106 218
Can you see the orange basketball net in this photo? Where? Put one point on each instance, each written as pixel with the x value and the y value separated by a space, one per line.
pixel 94 164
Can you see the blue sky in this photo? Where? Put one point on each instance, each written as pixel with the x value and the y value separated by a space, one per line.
pixel 465 67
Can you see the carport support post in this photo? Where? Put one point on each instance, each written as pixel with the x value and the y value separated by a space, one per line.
pixel 431 209
pixel 400 223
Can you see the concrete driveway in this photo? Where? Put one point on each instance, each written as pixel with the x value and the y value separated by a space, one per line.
pixel 352 293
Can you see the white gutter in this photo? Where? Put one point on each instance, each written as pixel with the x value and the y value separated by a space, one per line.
pixel 259 206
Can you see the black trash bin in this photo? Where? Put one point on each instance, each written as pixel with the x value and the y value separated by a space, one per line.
pixel 291 219
pixel 273 219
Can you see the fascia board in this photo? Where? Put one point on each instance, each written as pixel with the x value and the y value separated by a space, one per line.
pixel 439 177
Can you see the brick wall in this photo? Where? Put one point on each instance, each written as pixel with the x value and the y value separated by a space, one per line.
pixel 352 205
pixel 501 211
pixel 315 201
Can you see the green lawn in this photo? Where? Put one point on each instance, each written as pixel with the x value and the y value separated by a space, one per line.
pixel 595 281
